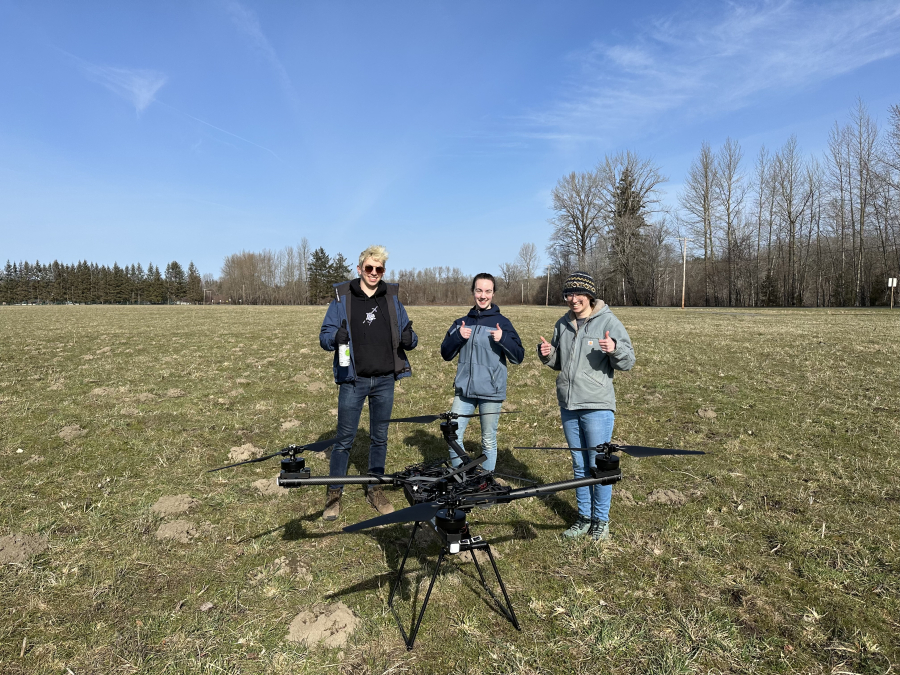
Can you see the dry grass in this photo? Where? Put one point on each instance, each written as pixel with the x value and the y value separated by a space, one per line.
pixel 782 559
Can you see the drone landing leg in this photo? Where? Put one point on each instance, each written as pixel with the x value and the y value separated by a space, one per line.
pixel 411 638
pixel 507 611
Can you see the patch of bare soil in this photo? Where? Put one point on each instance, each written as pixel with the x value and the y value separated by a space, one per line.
pixel 104 350
pixel 664 496
pixel 242 380
pixel 71 432
pixel 173 505
pixel 624 496
pixel 175 393
pixel 270 487
pixel 57 386
pixel 18 548
pixel 146 397
pixel 289 424
pixel 707 413
pixel 332 625
pixel 244 452
pixel 317 386
pixel 299 377
pixel 182 531
pixel 102 391
pixel 34 459
pixel 304 351
pixel 481 556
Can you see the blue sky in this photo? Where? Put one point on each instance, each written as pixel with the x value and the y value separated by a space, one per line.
pixel 139 132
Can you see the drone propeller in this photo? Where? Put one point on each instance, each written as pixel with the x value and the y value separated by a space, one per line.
pixel 319 446
pixel 425 419
pixel 416 513
pixel 633 450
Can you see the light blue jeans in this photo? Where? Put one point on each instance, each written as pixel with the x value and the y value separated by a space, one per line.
pixel 587 429
pixel 466 406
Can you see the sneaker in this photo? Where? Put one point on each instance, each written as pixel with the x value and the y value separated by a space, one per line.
pixel 579 528
pixel 600 530
pixel 332 504
pixel 375 497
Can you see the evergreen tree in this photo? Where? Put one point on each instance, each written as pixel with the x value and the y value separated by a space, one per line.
pixel 176 285
pixel 156 286
pixel 339 270
pixel 194 284
pixel 319 277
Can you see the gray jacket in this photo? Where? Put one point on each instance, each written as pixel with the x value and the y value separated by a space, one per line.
pixel 585 380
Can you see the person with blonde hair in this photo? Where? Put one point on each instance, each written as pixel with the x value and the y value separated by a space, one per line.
pixel 367 315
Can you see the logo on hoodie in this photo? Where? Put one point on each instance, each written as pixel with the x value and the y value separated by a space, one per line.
pixel 370 316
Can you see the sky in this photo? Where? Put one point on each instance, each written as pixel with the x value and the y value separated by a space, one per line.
pixel 151 132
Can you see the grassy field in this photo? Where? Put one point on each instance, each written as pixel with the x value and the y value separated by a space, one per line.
pixel 775 552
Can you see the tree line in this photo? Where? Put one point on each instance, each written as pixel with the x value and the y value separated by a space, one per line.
pixel 790 230
pixel 90 283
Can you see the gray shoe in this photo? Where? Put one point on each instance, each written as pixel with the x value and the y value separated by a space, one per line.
pixel 600 530
pixel 579 528
pixel 332 504
pixel 375 497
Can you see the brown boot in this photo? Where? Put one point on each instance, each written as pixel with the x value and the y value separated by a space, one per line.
pixel 332 504
pixel 375 496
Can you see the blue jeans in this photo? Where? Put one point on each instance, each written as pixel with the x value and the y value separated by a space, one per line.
pixel 587 429
pixel 466 406
pixel 351 397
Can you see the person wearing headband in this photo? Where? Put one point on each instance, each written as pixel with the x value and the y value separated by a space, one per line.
pixel 367 316
pixel 587 346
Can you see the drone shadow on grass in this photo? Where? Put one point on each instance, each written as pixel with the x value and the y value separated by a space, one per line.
pixel 393 541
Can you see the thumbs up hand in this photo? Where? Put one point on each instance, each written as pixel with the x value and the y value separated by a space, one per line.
pixel 342 336
pixel 465 332
pixel 497 333
pixel 607 344
pixel 545 347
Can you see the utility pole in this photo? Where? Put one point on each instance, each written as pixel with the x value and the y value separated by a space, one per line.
pixel 547 299
pixel 683 270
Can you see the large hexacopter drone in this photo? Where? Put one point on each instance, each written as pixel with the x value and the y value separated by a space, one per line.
pixel 441 495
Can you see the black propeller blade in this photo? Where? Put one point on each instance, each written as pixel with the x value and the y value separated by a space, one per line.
pixel 411 514
pixel 314 447
pixel 633 450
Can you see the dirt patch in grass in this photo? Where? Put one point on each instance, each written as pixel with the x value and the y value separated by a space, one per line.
pixel 331 625
pixel 175 393
pixel 289 424
pixel 300 377
pixel 18 548
pixel 244 452
pixel 146 397
pixel 666 497
pixel 270 487
pixel 182 531
pixel 173 505
pixel 317 386
pixel 707 413
pixel 625 497
pixel 71 432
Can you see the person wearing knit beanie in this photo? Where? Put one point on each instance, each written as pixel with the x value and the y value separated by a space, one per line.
pixel 588 345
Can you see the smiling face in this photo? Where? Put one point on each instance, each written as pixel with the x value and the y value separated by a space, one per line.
pixel 580 304
pixel 369 273
pixel 484 293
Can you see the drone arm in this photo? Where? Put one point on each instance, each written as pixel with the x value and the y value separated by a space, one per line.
pixel 608 478
pixel 337 480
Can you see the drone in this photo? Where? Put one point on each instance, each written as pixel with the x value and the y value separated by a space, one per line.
pixel 441 495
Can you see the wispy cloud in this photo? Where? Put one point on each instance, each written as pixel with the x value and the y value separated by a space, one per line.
pixel 700 64
pixel 137 86
pixel 248 23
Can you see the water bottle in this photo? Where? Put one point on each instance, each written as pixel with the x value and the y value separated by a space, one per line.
pixel 344 351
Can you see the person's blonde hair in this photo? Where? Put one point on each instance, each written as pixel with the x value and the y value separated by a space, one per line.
pixel 377 253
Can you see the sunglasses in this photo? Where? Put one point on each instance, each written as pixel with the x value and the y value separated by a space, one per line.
pixel 378 269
